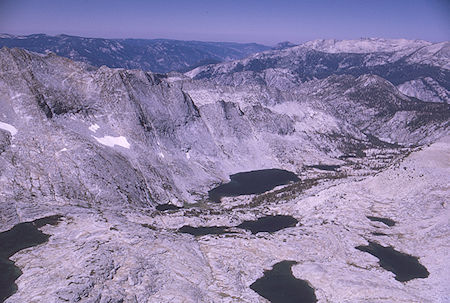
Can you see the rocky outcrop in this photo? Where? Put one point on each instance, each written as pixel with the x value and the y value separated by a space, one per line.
pixel 99 257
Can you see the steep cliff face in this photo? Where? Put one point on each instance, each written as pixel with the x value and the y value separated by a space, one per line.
pixel 125 137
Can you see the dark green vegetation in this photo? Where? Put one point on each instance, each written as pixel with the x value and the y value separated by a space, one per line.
pixel 278 285
pixel 21 236
pixel 405 267
pixel 292 190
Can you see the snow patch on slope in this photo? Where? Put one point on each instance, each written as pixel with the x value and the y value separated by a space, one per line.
pixel 94 127
pixel 111 141
pixel 8 127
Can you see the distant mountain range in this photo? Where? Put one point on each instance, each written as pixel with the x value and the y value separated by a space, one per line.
pixel 417 68
pixel 156 55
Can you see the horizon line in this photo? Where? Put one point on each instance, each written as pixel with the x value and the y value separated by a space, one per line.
pixel 214 41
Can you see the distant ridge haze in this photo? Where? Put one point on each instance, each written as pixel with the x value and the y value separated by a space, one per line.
pixel 165 55
pixel 156 55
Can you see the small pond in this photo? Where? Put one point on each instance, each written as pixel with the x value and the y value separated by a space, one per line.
pixel 203 230
pixel 264 224
pixel 21 236
pixel 279 285
pixel 252 182
pixel 404 266
pixel 385 221
pixel 166 207
pixel 268 224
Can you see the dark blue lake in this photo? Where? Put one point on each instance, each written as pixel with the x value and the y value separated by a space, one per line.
pixel 268 224
pixel 203 230
pixel 404 266
pixel 252 182
pixel 279 285
pixel 21 236
pixel 385 221
pixel 264 224
pixel 166 207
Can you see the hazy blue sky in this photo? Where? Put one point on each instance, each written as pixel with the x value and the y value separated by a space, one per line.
pixel 260 21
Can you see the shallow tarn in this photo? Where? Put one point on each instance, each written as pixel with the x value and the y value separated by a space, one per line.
pixel 166 207
pixel 386 221
pixel 21 236
pixel 264 224
pixel 203 230
pixel 404 266
pixel 279 285
pixel 252 183
pixel 269 224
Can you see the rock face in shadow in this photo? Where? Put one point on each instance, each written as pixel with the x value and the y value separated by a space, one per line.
pixel 404 266
pixel 278 285
pixel 252 182
pixel 21 236
pixel 386 221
